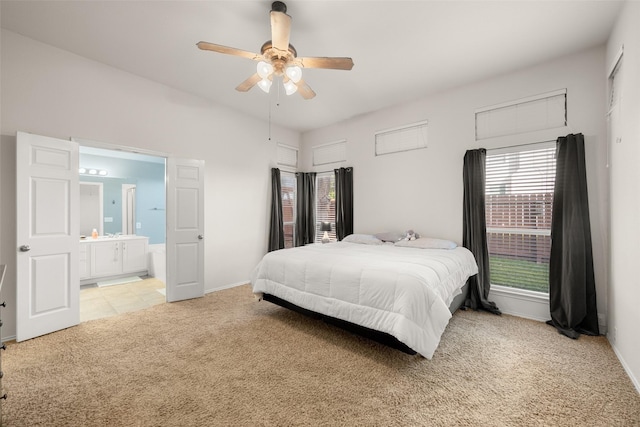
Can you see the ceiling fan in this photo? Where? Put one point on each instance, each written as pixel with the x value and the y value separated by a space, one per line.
pixel 278 58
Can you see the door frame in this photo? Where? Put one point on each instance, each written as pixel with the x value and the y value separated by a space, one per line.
pixel 115 147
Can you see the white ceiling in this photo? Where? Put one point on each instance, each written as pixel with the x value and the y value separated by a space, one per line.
pixel 402 50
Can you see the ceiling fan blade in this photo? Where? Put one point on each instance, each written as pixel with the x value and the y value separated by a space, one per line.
pixel 280 30
pixel 341 63
pixel 228 50
pixel 305 90
pixel 249 83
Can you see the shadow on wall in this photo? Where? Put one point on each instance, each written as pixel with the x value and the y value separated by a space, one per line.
pixel 8 243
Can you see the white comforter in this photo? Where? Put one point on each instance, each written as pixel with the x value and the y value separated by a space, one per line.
pixel 404 292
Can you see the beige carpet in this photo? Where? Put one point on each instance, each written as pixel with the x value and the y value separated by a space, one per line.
pixel 228 360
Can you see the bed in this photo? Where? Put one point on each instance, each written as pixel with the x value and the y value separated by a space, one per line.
pixel 401 294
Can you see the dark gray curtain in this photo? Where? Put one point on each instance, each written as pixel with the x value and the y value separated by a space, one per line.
pixel 306 208
pixel 474 229
pixel 572 289
pixel 276 227
pixel 344 202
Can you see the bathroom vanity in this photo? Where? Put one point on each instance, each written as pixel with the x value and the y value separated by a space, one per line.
pixel 111 257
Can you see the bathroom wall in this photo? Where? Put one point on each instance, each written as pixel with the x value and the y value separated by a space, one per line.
pixel 149 179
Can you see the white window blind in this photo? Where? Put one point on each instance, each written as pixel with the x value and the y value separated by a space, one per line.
pixel 519 199
pixel 614 86
pixel 405 138
pixel 614 79
pixel 288 185
pixel 333 152
pixel 287 156
pixel 545 111
pixel 325 203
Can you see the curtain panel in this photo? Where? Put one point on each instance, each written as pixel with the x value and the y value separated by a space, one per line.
pixel 306 208
pixel 572 291
pixel 344 202
pixel 474 229
pixel 276 225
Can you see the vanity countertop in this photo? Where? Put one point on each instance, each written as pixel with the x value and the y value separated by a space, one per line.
pixel 90 239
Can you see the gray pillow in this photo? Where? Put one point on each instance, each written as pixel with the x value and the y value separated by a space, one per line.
pixel 390 236
pixel 365 239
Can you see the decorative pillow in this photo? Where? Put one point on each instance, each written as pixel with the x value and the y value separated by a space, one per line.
pixel 365 239
pixel 390 236
pixel 427 243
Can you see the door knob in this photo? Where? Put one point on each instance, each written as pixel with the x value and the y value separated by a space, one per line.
pixel 200 236
pixel 25 248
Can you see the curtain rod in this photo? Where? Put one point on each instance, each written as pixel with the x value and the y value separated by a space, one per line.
pixel 332 170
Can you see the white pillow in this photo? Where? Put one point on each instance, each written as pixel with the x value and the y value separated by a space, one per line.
pixel 390 236
pixel 365 239
pixel 427 243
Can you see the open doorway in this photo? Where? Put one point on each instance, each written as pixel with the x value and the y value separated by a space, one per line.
pixel 123 268
pixel 47 227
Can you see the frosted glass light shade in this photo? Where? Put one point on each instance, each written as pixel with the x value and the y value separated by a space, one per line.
pixel 265 85
pixel 294 73
pixel 264 69
pixel 290 87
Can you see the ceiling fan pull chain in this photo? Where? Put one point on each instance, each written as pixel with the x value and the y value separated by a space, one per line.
pixel 269 101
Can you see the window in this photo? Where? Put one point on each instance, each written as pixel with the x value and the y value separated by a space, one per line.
pixel 519 197
pixel 405 138
pixel 333 152
pixel 287 156
pixel 539 112
pixel 288 184
pixel 325 203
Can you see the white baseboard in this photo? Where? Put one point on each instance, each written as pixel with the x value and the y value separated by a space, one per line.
pixel 221 288
pixel 521 303
pixel 634 380
pixel 529 304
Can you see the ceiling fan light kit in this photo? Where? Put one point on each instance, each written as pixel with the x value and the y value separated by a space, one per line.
pixel 279 58
pixel 264 69
pixel 294 73
pixel 265 85
pixel 290 87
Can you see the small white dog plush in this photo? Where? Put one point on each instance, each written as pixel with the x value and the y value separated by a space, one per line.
pixel 411 235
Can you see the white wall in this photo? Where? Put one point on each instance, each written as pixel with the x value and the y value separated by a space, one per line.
pixel 422 189
pixel 624 286
pixel 52 92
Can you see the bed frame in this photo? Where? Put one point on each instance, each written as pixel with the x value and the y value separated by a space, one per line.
pixel 380 337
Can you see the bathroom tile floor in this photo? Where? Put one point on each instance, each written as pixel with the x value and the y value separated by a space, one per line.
pixel 98 302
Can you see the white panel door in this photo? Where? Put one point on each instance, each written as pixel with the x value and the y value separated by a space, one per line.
pixel 185 229
pixel 48 284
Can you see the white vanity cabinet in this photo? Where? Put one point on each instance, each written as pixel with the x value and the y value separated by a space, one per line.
pixel 135 255
pixel 105 258
pixel 113 256
pixel 84 257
